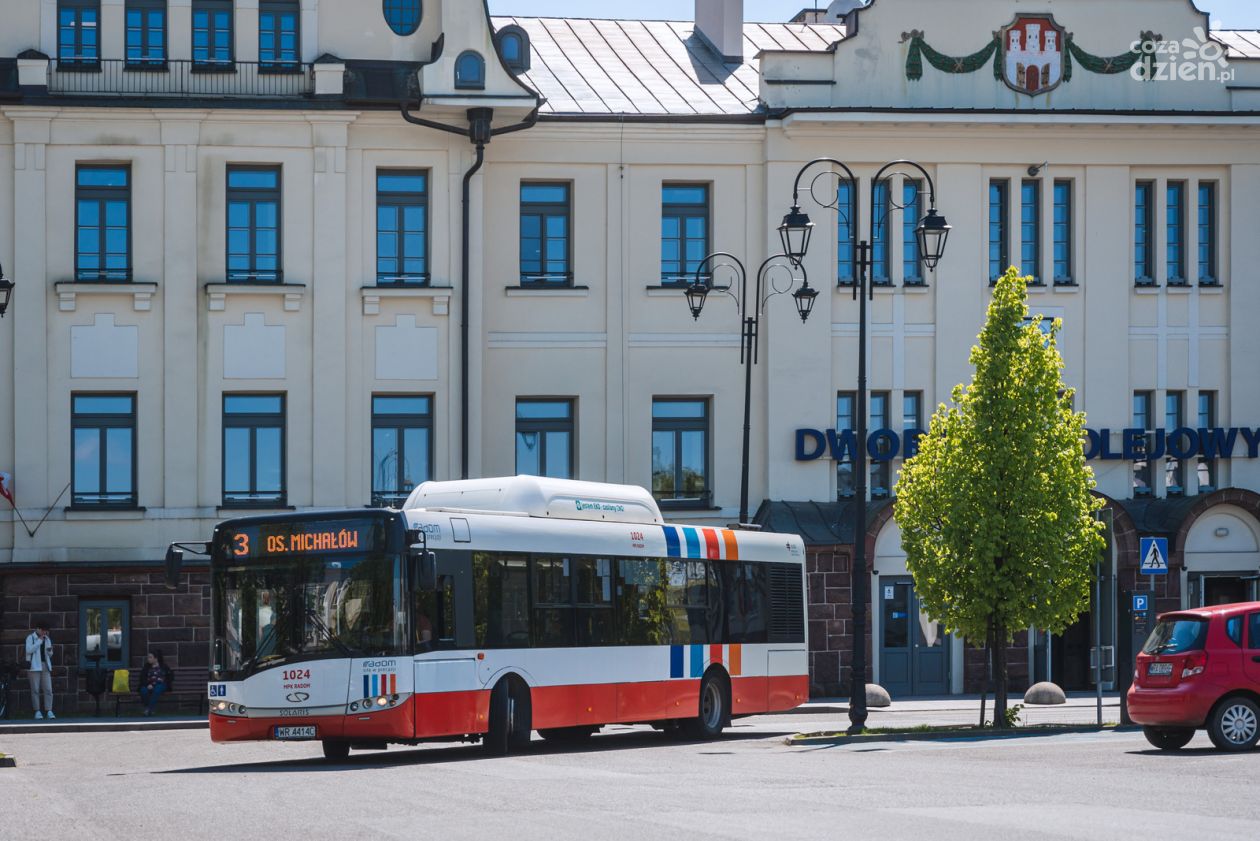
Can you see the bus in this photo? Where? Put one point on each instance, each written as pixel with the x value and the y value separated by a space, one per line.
pixel 487 609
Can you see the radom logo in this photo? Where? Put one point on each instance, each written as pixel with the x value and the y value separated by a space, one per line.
pixel 296 697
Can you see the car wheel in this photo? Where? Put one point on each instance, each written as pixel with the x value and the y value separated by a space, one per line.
pixel 336 750
pixel 1235 724
pixel 714 709
pixel 1168 738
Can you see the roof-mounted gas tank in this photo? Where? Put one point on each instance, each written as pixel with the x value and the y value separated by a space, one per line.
pixel 534 496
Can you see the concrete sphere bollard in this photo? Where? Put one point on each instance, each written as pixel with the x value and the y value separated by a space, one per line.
pixel 1044 694
pixel 877 696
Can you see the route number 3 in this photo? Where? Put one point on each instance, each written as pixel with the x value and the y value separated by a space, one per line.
pixel 242 545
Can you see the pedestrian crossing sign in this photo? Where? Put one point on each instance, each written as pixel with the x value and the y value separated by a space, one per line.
pixel 1154 554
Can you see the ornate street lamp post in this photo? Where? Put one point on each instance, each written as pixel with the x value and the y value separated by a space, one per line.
pixel 931 233
pixel 804 297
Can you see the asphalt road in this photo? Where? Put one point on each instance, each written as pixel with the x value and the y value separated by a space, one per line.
pixel 629 783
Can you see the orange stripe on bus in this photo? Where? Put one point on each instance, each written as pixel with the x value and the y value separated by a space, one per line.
pixel 735 659
pixel 732 548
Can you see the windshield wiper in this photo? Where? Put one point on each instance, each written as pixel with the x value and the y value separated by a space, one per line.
pixel 258 655
pixel 321 626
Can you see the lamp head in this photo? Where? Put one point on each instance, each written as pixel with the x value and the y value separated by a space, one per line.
pixel 795 232
pixel 932 233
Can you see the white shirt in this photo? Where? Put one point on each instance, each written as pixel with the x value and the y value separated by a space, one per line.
pixel 33 644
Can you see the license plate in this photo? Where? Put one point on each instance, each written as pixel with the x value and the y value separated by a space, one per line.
pixel 303 732
pixel 1159 668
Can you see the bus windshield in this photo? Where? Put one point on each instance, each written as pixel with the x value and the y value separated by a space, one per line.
pixel 303 607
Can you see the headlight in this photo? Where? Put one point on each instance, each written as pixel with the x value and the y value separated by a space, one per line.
pixel 354 707
pixel 382 701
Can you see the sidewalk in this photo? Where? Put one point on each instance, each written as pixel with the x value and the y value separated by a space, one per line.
pixel 104 724
pixel 962 710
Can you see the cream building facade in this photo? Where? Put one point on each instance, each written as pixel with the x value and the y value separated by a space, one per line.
pixel 254 269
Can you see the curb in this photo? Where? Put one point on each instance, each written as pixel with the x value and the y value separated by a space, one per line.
pixel 806 740
pixel 102 727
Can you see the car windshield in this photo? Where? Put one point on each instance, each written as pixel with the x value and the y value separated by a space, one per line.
pixel 304 607
pixel 1176 636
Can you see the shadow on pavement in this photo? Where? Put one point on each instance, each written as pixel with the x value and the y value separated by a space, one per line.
pixel 440 754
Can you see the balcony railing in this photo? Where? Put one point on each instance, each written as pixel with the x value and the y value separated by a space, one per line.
pixel 181 79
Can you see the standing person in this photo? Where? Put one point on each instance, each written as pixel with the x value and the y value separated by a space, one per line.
pixel 39 651
pixel 155 678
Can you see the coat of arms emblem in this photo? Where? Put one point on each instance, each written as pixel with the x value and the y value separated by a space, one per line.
pixel 1032 54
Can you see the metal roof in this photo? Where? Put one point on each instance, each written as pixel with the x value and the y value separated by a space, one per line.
pixel 1242 43
pixel 651 67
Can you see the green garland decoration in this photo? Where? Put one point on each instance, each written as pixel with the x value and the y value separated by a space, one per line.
pixel 919 50
pixel 1106 65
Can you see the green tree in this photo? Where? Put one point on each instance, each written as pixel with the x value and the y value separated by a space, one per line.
pixel 996 515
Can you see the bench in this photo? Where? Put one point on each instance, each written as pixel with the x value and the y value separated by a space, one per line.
pixel 188 684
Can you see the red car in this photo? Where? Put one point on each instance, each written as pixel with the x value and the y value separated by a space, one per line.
pixel 1200 669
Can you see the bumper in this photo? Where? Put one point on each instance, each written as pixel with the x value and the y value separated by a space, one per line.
pixel 1186 705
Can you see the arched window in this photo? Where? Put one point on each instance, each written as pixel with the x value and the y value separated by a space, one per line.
pixel 470 71
pixel 403 16
pixel 514 47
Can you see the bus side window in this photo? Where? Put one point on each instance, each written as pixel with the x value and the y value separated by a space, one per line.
pixel 445 630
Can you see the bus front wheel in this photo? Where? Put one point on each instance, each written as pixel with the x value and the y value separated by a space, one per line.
pixel 509 717
pixel 714 712
pixel 336 750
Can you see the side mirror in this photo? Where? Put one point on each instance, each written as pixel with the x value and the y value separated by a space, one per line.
pixel 174 563
pixel 422 570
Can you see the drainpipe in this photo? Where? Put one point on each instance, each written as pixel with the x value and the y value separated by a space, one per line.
pixel 479 133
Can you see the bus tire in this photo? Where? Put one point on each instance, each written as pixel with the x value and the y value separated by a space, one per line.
pixel 336 750
pixel 509 717
pixel 715 708
pixel 567 735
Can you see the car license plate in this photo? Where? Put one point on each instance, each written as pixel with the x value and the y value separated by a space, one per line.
pixel 303 732
pixel 1159 668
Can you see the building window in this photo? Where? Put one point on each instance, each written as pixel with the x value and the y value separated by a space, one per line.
pixel 680 451
pixel 514 47
pixel 880 270
pixel 1207 420
pixel 1063 233
pixel 212 33
pixel 1143 232
pixel 999 232
pixel 146 33
pixel 684 231
pixel 470 71
pixel 403 16
pixel 279 42
pixel 544 438
pixel 1207 235
pixel 402 227
pixel 912 264
pixel 104 628
pixel 846 232
pixel 253 224
pixel 402 446
pixel 846 421
pixel 1030 230
pixel 253 450
pixel 1142 419
pixel 78 32
pixel 912 411
pixel 1176 233
pixel 1174 418
pixel 545 213
pixel 103 432
pixel 879 467
pixel 102 248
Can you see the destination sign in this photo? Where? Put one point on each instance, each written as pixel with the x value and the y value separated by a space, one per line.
pixel 304 538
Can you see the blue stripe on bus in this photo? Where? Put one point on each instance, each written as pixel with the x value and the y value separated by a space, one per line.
pixel 693 543
pixel 697 660
pixel 671 543
pixel 675 661
pixel 367 687
pixel 376 684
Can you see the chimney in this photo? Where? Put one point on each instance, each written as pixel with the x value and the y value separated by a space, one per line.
pixel 721 24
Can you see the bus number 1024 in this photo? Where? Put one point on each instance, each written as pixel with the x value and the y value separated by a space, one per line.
pixel 297 674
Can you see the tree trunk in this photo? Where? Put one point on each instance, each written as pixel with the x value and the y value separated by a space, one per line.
pixel 999 669
pixel 988 670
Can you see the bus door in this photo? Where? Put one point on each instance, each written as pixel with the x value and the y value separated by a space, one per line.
pixel 445 663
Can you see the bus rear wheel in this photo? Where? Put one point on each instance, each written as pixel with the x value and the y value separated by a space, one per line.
pixel 714 712
pixel 336 750
pixel 509 717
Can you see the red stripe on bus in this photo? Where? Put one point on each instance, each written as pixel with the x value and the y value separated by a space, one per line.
pixel 712 551
pixel 715 653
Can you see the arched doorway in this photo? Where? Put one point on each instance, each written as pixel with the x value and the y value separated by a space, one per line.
pixel 912 652
pixel 1222 558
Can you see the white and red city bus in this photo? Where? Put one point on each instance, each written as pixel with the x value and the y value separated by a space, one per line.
pixel 490 608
